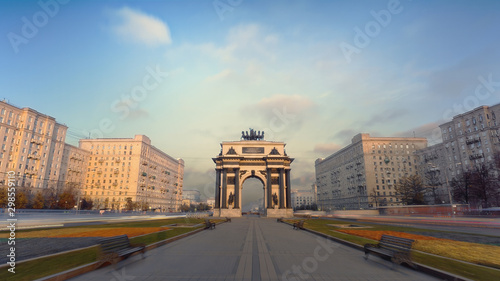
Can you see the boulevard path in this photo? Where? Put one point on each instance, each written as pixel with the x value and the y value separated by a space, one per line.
pixel 252 248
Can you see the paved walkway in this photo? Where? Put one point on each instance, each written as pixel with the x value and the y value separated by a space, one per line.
pixel 253 248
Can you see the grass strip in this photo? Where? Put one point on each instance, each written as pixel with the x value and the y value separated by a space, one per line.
pixel 39 268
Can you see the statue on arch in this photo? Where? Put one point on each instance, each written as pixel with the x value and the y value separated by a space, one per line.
pixel 275 199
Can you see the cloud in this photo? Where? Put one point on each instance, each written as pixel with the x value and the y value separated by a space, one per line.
pixel 431 131
pixel 345 135
pixel 293 105
pixel 327 149
pixel 226 73
pixel 135 26
pixel 385 116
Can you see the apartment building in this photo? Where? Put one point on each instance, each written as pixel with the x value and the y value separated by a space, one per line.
pixel 470 139
pixel 31 145
pixel 304 197
pixel 119 168
pixel 363 174
pixel 73 167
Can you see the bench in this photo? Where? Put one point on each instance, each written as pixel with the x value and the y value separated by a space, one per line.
pixel 209 224
pixel 113 249
pixel 228 219
pixel 397 248
pixel 298 225
pixel 279 220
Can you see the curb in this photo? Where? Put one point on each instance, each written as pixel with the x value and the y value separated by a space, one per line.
pixel 420 267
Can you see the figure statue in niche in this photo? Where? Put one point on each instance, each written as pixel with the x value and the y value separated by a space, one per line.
pixel 275 199
pixel 230 201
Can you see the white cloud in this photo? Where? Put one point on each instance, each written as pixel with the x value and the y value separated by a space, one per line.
pixel 219 76
pixel 294 104
pixel 138 27
pixel 327 149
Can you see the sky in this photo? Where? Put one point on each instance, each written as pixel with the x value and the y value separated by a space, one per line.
pixel 191 74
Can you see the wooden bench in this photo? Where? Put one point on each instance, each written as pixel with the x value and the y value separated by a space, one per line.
pixel 298 225
pixel 209 224
pixel 397 248
pixel 228 219
pixel 115 248
pixel 279 220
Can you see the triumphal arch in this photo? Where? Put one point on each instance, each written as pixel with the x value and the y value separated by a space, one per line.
pixel 253 157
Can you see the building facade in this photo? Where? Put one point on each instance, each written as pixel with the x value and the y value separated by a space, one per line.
pixel 437 184
pixel 469 140
pixel 304 197
pixel 193 195
pixel 32 145
pixel 119 168
pixel 73 168
pixel 363 174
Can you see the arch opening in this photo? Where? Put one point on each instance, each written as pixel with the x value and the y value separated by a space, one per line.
pixel 252 191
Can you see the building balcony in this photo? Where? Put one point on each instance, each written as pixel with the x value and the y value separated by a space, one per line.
pixel 471 141
pixel 117 160
pixel 34 157
pixel 115 184
pixel 99 172
pixel 101 160
pixel 36 142
pixel 116 171
pixel 476 156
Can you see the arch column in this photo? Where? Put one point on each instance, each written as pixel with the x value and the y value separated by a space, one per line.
pixel 288 190
pixel 217 188
pixel 269 190
pixel 224 189
pixel 237 188
pixel 282 189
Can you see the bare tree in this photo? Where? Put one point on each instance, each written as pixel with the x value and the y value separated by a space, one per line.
pixel 375 197
pixel 411 190
pixel 432 184
pixel 462 188
pixel 484 185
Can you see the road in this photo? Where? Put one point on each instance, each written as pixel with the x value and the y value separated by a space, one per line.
pixel 252 248
pixel 35 219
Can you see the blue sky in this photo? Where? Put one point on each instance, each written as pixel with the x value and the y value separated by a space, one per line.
pixel 278 66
